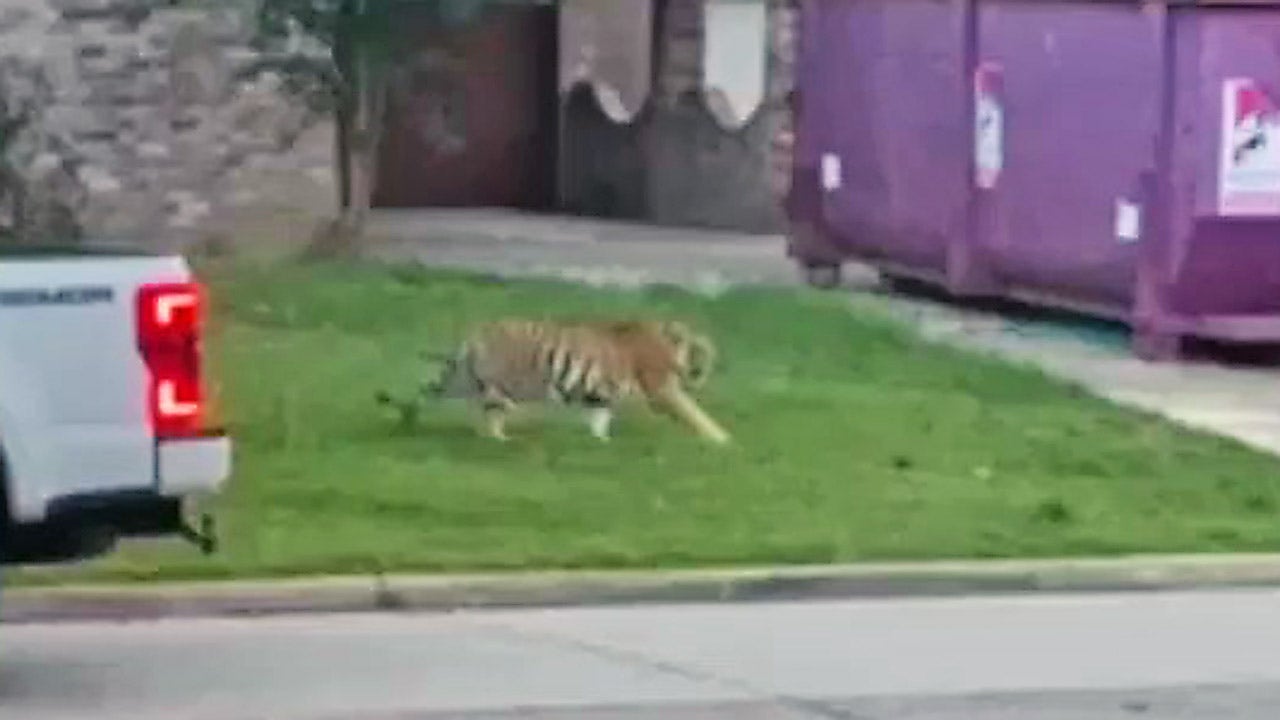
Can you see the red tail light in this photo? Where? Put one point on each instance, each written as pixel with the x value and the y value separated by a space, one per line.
pixel 170 326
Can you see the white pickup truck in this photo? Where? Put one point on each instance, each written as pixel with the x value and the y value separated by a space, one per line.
pixel 103 427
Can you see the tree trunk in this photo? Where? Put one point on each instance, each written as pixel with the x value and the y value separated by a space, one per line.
pixel 360 116
pixel 344 120
pixel 369 115
pixel 13 193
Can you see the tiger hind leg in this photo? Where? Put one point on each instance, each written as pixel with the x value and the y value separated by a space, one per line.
pixel 495 422
pixel 600 420
pixel 496 408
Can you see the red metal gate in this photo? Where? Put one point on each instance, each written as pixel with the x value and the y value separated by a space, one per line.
pixel 471 121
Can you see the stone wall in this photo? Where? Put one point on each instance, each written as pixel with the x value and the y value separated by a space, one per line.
pixel 674 164
pixel 144 128
pixel 703 174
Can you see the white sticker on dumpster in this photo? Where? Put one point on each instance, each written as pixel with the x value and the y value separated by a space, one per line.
pixel 1128 221
pixel 1249 159
pixel 831 172
pixel 988 125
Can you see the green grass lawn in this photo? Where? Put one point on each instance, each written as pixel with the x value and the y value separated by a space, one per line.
pixel 854 441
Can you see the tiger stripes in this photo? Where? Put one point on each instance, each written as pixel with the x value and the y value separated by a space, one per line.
pixel 591 364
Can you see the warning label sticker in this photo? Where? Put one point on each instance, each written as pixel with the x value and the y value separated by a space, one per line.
pixel 1249 161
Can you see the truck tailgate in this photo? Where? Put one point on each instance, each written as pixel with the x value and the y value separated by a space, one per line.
pixel 73 386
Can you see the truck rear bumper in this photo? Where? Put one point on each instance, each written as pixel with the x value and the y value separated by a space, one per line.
pixel 193 466
pixel 87 525
pixel 80 527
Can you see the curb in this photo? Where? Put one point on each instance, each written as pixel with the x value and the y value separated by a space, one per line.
pixel 442 593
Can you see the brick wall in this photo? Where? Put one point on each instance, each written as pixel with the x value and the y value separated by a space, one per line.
pixel 141 130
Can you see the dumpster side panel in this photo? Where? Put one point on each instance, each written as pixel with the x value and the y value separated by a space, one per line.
pixel 894 135
pixel 821 28
pixel 1082 107
pixel 1227 262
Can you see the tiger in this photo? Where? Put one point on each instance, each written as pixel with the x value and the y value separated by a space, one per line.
pixel 593 364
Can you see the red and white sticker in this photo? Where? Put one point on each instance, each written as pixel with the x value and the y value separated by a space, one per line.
pixel 1249 156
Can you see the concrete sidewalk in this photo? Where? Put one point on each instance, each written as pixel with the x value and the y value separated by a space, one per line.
pixel 1174 656
pixel 596 252
pixel 1168 656
pixel 1238 403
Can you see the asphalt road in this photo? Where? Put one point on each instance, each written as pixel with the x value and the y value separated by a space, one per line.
pixel 1206 656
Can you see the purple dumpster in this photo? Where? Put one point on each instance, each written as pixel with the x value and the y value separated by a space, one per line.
pixel 1122 159
pixel 881 157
